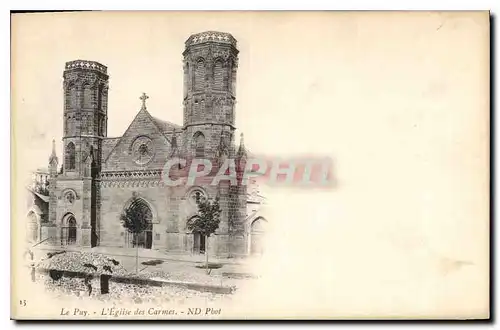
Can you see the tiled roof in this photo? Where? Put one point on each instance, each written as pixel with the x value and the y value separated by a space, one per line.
pixel 42 197
pixel 108 145
pixel 165 126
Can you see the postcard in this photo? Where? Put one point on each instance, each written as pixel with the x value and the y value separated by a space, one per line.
pixel 250 165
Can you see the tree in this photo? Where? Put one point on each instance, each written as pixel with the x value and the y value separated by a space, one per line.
pixel 207 221
pixel 134 221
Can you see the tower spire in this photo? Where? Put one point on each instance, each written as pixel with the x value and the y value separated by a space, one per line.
pixel 242 152
pixel 222 145
pixel 53 155
pixel 174 147
pixel 174 140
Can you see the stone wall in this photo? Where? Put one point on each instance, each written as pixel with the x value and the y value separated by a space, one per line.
pixel 113 202
pixel 122 157
pixel 209 100
pixel 66 206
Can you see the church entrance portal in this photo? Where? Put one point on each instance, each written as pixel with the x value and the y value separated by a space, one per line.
pixel 68 232
pixel 145 239
pixel 257 231
pixel 198 243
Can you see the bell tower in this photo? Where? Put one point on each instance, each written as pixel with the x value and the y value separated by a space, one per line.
pixel 85 114
pixel 210 65
pixel 85 125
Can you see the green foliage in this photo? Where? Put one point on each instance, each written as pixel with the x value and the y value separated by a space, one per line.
pixel 133 218
pixel 208 219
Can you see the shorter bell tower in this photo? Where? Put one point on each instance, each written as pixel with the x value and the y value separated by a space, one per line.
pixel 75 192
pixel 85 114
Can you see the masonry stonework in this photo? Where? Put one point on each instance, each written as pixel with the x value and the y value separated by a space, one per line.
pixel 100 176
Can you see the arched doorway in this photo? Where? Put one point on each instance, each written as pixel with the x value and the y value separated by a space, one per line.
pixel 257 232
pixel 199 240
pixel 69 230
pixel 32 231
pixel 141 209
pixel 199 243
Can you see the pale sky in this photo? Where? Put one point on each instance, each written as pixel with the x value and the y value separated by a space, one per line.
pixel 398 101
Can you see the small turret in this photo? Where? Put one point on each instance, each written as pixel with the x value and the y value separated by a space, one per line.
pixel 242 152
pixel 88 163
pixel 53 161
pixel 174 153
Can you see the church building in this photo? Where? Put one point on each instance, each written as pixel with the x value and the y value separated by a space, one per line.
pixel 82 196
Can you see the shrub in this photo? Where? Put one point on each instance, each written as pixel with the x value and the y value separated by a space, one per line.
pixel 152 262
pixel 55 274
pixel 90 266
pixel 210 266
pixel 51 254
pixel 114 261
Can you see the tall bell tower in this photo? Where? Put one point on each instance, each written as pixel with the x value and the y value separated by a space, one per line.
pixel 210 65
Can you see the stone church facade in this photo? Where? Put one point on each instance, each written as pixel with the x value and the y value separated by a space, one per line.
pixel 99 176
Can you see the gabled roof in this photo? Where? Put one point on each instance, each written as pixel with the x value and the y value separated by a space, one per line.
pixel 108 144
pixel 159 124
pixel 42 197
pixel 166 126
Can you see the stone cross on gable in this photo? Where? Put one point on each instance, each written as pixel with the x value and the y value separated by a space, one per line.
pixel 143 98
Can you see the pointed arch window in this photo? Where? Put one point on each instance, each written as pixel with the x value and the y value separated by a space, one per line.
pixel 67 117
pixel 199 141
pixel 196 110
pixel 70 157
pixel 218 74
pixel 100 127
pixel 72 102
pixel 199 75
pixel 87 96
pixel 257 232
pixel 186 79
pixel 71 230
pixel 99 97
pixel 104 101
pixel 232 80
